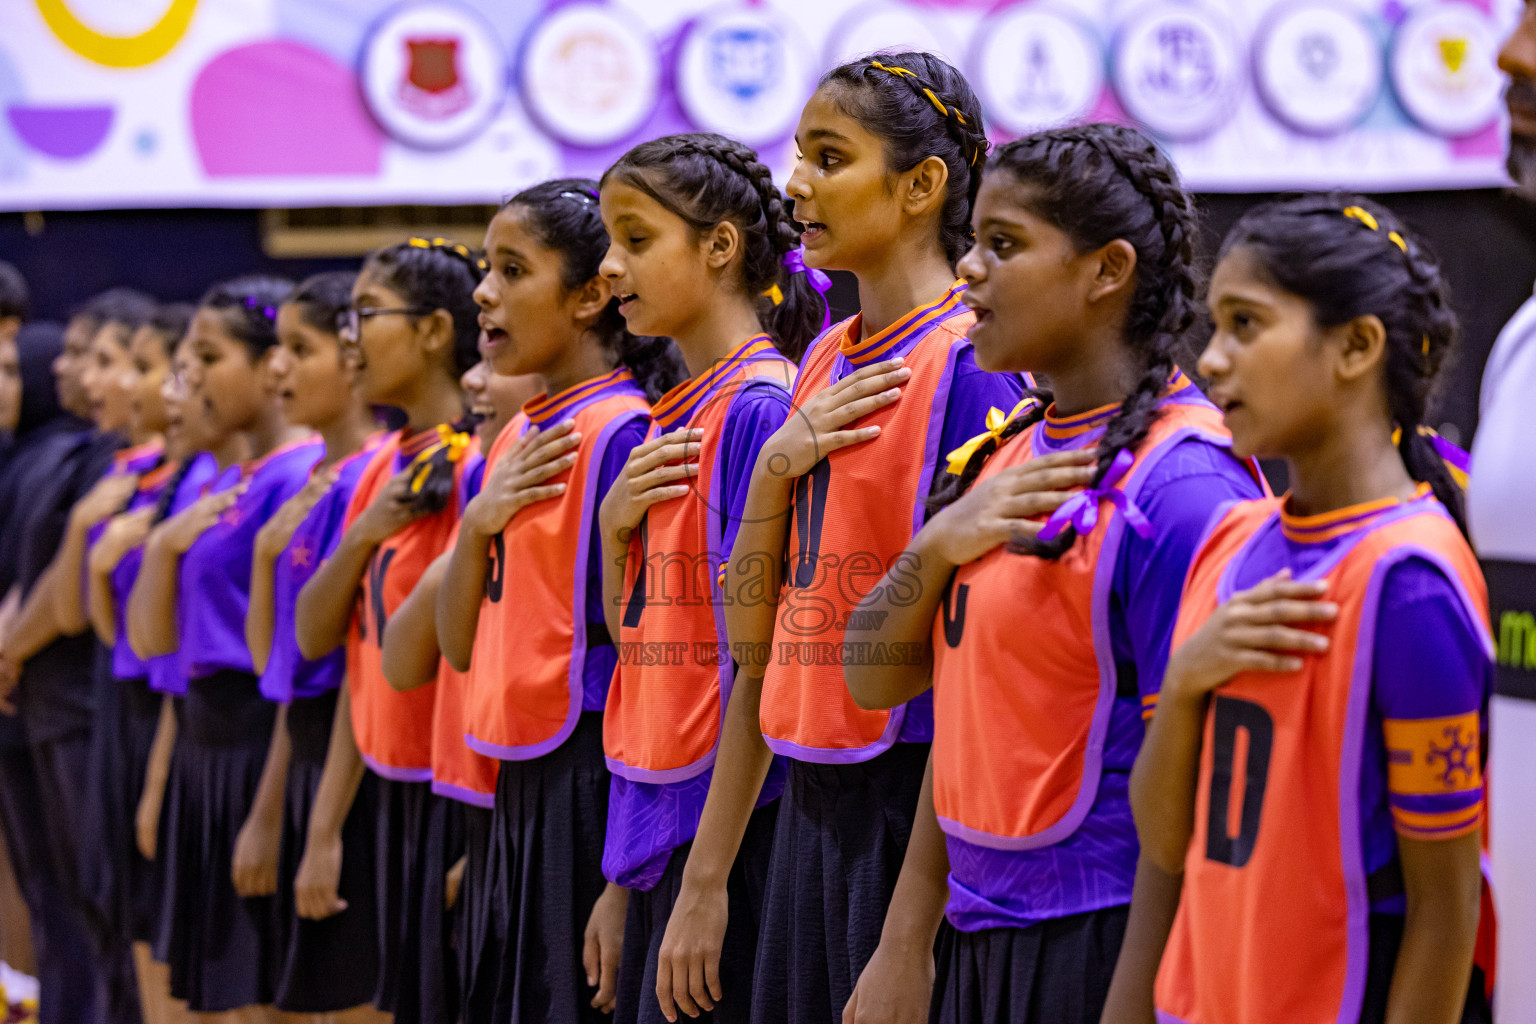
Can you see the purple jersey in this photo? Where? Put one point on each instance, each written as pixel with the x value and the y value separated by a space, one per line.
pixel 602 655
pixel 165 674
pixel 126 664
pixel 1095 866
pixel 648 820
pixel 289 675
pixel 216 570
pixel 1429 667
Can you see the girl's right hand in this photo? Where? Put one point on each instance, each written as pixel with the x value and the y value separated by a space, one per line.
pixel 816 429
pixel 122 535
pixel 276 534
pixel 390 512
pixel 316 882
pixel 688 969
pixel 105 498
pixel 1255 631
pixel 181 531
pixel 1011 503
pixel 659 470
pixel 517 479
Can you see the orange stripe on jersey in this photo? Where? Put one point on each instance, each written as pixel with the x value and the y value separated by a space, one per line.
pixel 138 451
pixel 1329 525
pixel 1463 819
pixel 546 409
pixel 874 348
pixel 1429 756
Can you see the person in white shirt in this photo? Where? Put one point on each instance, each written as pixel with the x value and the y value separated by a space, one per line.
pixel 1502 513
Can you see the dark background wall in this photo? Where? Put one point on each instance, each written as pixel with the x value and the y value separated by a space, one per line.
pixel 1486 240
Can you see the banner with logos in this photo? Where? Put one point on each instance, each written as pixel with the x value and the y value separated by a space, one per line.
pixel 133 103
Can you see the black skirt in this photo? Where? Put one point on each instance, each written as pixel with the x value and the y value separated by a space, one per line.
pixel 222 950
pixel 479 948
pixel 332 964
pixel 123 885
pixel 419 836
pixel 546 851
pixel 646 925
pixel 1054 972
pixel 837 850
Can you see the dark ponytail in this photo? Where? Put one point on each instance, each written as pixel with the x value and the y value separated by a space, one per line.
pixel 1349 257
pixel 248 306
pixel 168 495
pixel 705 179
pixel 170 323
pixel 564 215
pixel 1098 183
pixel 921 107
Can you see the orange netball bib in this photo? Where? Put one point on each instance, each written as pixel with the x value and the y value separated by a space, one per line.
pixel 1020 724
pixel 854 513
pixel 531 642
pixel 668 697
pixel 1272 924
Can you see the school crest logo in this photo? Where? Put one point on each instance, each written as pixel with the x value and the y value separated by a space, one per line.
pixel 1178 69
pixel 744 72
pixel 433 74
pixel 1038 69
pixel 1318 67
pixel 590 75
pixel 432 87
pixel 1444 68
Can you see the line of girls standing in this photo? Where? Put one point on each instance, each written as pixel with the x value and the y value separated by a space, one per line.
pixel 964 672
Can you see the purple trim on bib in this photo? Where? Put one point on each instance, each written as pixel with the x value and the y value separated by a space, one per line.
pixel 393 774
pixel 463 795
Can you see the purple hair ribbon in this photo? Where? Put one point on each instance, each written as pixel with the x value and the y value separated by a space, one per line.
pixel 1081 511
pixel 794 262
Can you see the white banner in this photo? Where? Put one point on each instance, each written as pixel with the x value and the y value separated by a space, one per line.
pixel 129 103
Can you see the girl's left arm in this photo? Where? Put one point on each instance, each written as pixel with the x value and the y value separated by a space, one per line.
pixel 411 652
pixel 1443 879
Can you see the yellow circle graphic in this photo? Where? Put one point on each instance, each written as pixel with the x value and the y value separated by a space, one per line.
pixel 118 51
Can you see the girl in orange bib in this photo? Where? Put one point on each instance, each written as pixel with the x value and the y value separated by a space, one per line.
pixel 411 330
pixel 1044 639
pixel 520 605
pixel 412 658
pixel 1314 765
pixel 703 252
pixel 891 152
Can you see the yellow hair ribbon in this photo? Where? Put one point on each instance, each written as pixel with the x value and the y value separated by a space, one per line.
pixel 1362 215
pixel 455 443
pixel 774 294
pixel 1397 240
pixel 996 424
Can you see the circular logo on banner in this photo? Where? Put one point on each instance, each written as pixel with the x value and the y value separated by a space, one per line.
pixel 744 72
pixel 1036 69
pixel 1178 69
pixel 1444 67
pixel 590 74
pixel 883 28
pixel 1319 69
pixel 433 74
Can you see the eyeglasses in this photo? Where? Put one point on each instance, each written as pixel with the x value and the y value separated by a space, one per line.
pixel 350 322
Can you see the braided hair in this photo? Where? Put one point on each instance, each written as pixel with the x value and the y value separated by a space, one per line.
pixel 248 307
pixel 705 179
pixel 1098 183
pixel 921 107
pixel 1349 257
pixel 564 215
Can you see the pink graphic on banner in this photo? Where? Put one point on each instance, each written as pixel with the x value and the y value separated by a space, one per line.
pixel 1486 143
pixel 281 108
pixel 65 133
